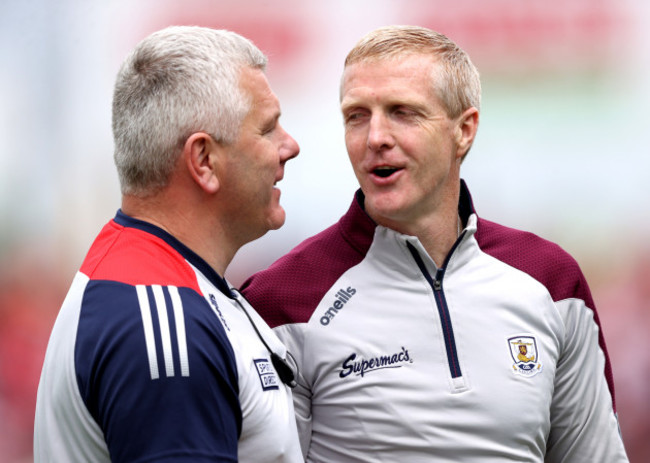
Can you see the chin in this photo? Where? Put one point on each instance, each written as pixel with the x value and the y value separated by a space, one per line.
pixel 384 206
pixel 277 219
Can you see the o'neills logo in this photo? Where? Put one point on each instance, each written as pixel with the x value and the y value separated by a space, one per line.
pixel 362 366
pixel 342 297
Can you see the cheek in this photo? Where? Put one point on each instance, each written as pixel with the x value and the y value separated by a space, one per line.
pixel 262 160
pixel 355 146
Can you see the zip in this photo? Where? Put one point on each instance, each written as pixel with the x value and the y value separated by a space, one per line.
pixel 443 309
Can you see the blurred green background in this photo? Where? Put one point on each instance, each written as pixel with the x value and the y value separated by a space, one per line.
pixel 561 149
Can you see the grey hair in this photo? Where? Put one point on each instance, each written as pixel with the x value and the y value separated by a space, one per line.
pixel 460 86
pixel 175 82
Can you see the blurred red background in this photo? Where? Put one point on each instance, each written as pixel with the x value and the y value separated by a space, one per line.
pixel 560 152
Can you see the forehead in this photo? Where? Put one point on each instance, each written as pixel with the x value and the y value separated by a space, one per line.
pixel 412 76
pixel 257 89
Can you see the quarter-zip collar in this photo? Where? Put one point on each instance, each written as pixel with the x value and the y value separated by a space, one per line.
pixel 217 280
pixel 459 254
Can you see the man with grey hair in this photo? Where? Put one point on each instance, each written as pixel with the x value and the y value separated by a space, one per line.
pixel 154 356
pixel 421 331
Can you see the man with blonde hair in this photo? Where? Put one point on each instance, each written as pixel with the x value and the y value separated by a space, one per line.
pixel 405 316
pixel 154 357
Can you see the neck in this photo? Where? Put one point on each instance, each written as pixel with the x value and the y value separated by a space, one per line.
pixel 438 229
pixel 438 236
pixel 187 224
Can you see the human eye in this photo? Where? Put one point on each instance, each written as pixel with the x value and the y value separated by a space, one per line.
pixel 354 116
pixel 270 126
pixel 404 111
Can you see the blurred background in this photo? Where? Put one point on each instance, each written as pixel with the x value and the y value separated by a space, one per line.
pixel 561 149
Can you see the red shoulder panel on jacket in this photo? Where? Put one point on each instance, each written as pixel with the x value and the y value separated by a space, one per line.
pixel 135 257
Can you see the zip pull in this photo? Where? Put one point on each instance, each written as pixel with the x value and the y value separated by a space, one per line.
pixel 437 283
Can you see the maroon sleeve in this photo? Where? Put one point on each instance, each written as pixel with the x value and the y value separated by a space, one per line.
pixel 549 264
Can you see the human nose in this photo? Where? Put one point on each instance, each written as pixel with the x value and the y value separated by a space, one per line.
pixel 290 147
pixel 379 136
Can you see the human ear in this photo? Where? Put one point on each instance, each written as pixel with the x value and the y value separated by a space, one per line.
pixel 200 152
pixel 466 128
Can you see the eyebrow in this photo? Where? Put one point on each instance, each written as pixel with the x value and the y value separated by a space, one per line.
pixel 391 103
pixel 271 121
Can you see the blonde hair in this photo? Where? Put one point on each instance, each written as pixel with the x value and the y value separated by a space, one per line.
pixel 457 84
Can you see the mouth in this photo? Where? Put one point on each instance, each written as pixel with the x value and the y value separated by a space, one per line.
pixel 384 171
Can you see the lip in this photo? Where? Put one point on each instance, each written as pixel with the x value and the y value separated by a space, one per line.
pixel 385 179
pixel 278 179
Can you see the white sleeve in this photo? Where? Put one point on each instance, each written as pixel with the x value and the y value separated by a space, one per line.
pixel 292 335
pixel 584 427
